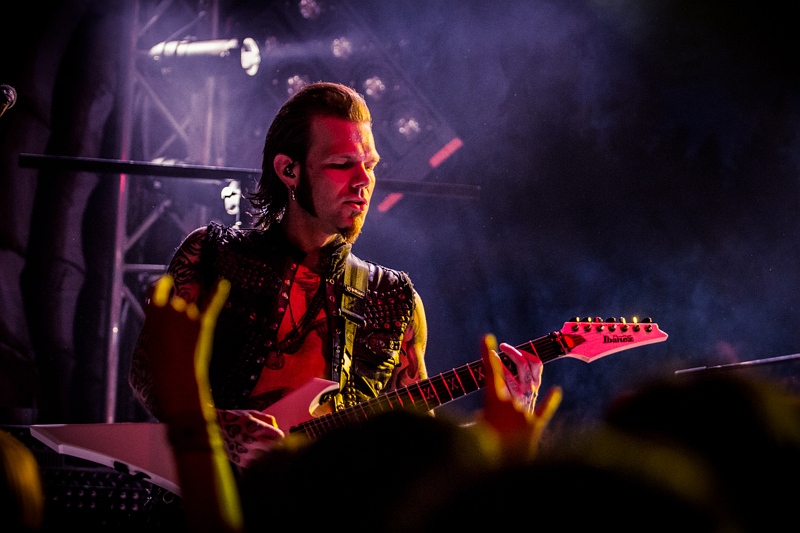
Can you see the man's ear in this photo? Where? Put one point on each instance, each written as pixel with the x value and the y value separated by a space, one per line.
pixel 286 169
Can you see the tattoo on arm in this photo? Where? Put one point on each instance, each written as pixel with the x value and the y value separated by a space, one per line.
pixel 187 281
pixel 412 352
pixel 184 267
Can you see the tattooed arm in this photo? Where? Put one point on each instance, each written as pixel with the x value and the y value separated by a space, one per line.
pixel 412 352
pixel 247 433
pixel 187 285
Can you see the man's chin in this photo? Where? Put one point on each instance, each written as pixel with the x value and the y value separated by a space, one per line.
pixel 351 232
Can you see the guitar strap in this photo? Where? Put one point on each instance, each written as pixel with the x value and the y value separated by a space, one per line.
pixel 356 278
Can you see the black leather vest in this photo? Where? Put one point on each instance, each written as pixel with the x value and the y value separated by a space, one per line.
pixel 261 264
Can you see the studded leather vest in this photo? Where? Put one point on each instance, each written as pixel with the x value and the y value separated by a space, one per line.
pixel 261 264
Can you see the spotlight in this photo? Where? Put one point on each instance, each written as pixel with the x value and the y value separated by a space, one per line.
pixel 374 88
pixel 231 197
pixel 408 127
pixel 295 83
pixel 247 52
pixel 342 48
pixel 309 9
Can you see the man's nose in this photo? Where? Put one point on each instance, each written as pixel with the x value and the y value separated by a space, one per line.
pixel 362 177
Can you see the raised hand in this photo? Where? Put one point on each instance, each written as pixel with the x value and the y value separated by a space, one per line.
pixel 177 340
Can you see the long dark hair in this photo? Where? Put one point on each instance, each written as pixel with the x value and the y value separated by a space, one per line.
pixel 290 134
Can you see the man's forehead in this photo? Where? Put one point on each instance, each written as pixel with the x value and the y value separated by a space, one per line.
pixel 333 134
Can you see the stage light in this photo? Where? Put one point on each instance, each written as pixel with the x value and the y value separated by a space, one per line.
pixel 295 83
pixel 374 88
pixel 310 9
pixel 342 48
pixel 231 197
pixel 250 56
pixel 247 52
pixel 408 127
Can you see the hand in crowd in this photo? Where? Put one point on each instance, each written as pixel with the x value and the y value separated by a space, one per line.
pixel 510 408
pixel 178 345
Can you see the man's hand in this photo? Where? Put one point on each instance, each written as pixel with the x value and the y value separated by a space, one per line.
pixel 180 339
pixel 509 402
pixel 248 434
pixel 524 387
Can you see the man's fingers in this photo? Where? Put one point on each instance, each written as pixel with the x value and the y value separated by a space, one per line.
pixel 512 352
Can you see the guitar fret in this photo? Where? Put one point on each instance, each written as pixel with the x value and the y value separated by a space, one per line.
pixel 384 402
pixel 476 372
pixel 360 408
pixel 428 393
pixel 404 397
pixel 452 382
pixel 417 395
pixel 441 389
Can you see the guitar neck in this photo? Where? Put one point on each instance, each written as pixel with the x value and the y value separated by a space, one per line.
pixel 430 393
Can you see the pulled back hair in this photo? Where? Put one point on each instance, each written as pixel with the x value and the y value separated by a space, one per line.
pixel 290 134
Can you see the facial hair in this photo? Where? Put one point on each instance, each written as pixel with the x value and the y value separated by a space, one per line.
pixel 305 199
pixel 304 193
pixel 351 233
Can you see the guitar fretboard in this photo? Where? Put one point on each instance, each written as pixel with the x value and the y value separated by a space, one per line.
pixel 430 393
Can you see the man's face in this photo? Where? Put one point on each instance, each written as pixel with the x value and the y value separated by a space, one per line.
pixel 339 175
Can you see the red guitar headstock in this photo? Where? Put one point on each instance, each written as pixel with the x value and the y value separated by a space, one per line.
pixel 592 338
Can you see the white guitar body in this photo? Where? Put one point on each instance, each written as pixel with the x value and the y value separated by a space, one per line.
pixel 143 448
pixel 299 406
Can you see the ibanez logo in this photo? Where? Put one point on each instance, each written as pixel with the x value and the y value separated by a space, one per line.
pixel 617 338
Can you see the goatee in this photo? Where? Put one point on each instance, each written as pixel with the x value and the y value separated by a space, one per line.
pixel 351 233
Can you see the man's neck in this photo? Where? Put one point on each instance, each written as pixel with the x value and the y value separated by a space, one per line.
pixel 305 236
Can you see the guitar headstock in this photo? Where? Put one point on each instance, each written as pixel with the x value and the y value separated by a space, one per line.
pixel 588 339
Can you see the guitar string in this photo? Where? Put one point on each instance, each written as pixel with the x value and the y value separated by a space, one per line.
pixel 336 418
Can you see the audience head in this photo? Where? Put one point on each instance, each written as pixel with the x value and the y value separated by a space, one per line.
pixel 746 428
pixel 21 491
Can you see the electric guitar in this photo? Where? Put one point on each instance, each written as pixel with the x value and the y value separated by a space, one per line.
pixel 587 340
pixel 142 447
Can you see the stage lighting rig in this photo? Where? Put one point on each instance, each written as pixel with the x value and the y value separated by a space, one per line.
pixel 246 51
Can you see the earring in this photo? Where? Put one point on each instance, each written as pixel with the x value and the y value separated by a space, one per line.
pixel 291 194
pixel 288 172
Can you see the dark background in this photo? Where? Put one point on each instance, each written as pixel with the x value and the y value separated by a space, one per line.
pixel 634 160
